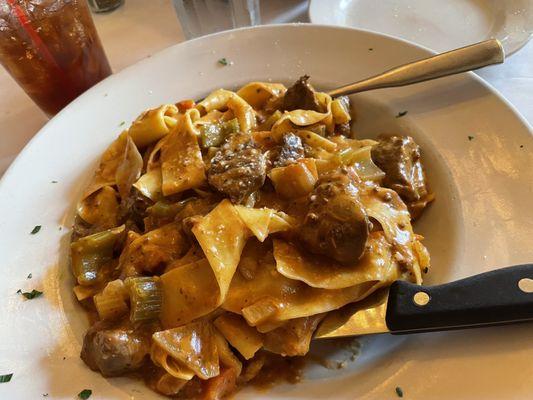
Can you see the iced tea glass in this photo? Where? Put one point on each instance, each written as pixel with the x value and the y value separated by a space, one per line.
pixel 51 48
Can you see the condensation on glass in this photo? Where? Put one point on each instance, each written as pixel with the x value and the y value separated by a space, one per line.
pixel 51 48
pixel 201 17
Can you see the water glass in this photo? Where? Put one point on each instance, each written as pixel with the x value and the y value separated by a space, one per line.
pixel 201 17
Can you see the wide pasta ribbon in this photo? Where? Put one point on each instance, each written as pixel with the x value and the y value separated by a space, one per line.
pixel 259 94
pixel 221 99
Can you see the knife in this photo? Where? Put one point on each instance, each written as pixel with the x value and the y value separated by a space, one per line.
pixel 498 297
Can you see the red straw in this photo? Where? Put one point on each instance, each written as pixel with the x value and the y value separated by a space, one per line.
pixel 37 42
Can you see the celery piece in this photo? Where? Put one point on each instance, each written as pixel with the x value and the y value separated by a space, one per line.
pixel 145 298
pixel 90 253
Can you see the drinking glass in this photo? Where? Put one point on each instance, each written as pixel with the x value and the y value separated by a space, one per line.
pixel 51 48
pixel 200 17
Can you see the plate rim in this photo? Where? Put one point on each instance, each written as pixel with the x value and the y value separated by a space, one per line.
pixel 312 15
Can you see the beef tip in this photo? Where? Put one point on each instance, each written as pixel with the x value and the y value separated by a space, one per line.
pixel 114 351
pixel 301 96
pixel 344 129
pixel 399 158
pixel 336 224
pixel 290 151
pixel 238 168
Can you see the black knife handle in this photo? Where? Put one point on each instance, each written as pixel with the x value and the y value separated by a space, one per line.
pixel 490 298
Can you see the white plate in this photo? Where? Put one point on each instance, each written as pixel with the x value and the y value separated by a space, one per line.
pixel 437 24
pixel 482 217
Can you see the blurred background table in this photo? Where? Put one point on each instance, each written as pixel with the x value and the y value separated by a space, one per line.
pixel 128 35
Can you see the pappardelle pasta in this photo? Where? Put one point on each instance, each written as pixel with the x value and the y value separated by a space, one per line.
pixel 216 236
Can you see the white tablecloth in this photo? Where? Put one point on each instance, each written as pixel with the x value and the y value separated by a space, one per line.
pixel 142 27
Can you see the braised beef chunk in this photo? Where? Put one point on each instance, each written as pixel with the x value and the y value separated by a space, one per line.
pixel 290 151
pixel 344 129
pixel 238 169
pixel 301 96
pixel 336 224
pixel 114 351
pixel 399 158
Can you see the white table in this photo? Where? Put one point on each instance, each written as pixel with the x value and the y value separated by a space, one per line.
pixel 128 35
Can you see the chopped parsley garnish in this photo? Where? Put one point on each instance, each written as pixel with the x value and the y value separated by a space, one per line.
pixel 45 394
pixel 30 295
pixel 122 123
pixel 470 137
pixel 85 394
pixel 5 378
pixel 401 114
pixel 54 182
pixel 399 391
pixel 29 276
pixel 223 61
pixel 36 229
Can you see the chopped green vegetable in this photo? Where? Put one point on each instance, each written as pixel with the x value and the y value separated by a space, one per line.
pixel 30 295
pixel 122 123
pixel 145 298
pixel 223 61
pixel 36 229
pixel 213 135
pixel 163 209
pixel 54 182
pixel 399 391
pixel 85 394
pixel 90 254
pixel 470 137
pixel 5 378
pixel 401 114
pixel 29 276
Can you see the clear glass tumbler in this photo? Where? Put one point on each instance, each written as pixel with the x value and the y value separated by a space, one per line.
pixel 201 17
pixel 51 48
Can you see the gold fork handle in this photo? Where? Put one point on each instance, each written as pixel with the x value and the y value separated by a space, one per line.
pixel 452 62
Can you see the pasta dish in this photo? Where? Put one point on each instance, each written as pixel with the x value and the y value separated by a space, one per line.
pixel 214 237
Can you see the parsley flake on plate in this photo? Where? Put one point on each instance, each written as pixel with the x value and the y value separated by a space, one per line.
pixel 85 394
pixel 401 114
pixel 30 295
pixel 36 229
pixel 223 61
pixel 399 391
pixel 5 378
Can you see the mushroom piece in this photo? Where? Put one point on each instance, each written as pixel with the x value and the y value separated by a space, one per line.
pixel 114 351
pixel 336 224
pixel 238 168
pixel 290 151
pixel 399 158
pixel 301 96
